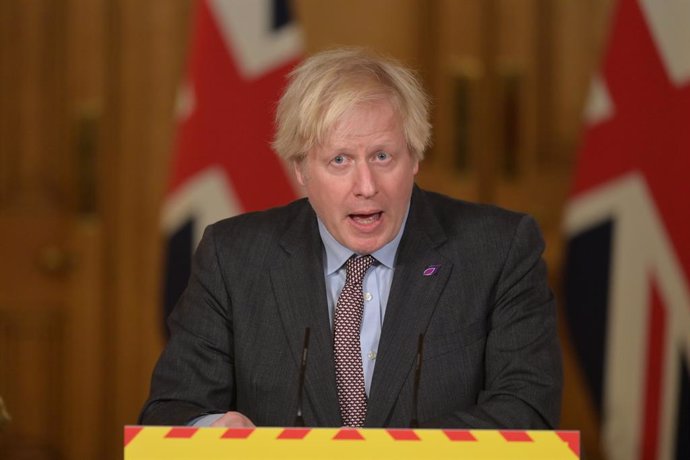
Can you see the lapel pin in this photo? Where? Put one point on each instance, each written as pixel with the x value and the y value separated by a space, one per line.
pixel 431 270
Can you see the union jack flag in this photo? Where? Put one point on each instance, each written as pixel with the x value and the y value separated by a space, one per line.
pixel 627 268
pixel 223 165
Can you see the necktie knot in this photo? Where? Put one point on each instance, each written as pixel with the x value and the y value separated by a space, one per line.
pixel 356 268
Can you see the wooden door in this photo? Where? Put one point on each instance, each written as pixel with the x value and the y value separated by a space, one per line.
pixel 50 249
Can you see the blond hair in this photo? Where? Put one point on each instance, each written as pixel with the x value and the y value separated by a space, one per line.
pixel 324 86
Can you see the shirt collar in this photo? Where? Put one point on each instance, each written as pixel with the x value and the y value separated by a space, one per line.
pixel 337 254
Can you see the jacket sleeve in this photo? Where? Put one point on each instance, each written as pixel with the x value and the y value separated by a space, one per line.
pixel 194 375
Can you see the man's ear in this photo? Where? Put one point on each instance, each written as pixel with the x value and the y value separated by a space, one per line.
pixel 298 166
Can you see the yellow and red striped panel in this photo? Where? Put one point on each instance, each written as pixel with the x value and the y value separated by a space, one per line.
pixel 181 443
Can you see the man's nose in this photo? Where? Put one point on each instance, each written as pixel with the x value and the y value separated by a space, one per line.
pixel 365 181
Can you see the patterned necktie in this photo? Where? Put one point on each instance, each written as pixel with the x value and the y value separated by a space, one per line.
pixel 346 347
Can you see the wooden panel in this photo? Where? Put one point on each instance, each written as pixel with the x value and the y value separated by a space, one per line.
pixel 31 116
pixel 457 47
pixel 147 44
pixel 51 353
pixel 579 33
pixel 30 380
pixel 389 26
pixel 519 96
pixel 84 394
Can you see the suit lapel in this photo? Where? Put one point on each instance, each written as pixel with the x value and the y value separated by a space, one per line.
pixel 412 300
pixel 299 286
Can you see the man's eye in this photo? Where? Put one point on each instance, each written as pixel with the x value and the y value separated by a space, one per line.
pixel 382 156
pixel 339 159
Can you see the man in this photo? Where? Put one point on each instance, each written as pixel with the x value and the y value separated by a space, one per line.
pixel 367 263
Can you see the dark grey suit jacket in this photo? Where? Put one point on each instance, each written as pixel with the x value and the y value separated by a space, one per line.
pixel 491 353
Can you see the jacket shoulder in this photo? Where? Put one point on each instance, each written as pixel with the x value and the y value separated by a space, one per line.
pixel 455 214
pixel 258 227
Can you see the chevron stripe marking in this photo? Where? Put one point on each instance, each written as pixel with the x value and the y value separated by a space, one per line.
pixel 572 438
pixel 403 435
pixel 294 433
pixel 348 435
pixel 515 436
pixel 459 435
pixel 237 433
pixel 131 432
pixel 181 432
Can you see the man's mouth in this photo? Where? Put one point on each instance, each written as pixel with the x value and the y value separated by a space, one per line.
pixel 366 219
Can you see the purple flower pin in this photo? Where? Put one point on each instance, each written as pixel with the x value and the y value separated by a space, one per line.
pixel 431 270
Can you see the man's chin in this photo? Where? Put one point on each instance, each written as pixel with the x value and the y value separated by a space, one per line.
pixel 365 245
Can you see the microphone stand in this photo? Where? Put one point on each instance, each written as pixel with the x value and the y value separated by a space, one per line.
pixel 299 420
pixel 414 423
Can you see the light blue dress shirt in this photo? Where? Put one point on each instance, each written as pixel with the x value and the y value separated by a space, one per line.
pixel 376 287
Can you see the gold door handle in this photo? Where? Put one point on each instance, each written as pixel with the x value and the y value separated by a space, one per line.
pixel 4 415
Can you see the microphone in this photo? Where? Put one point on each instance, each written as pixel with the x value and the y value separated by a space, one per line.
pixel 414 423
pixel 299 420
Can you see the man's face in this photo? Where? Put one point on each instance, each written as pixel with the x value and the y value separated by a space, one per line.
pixel 359 181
